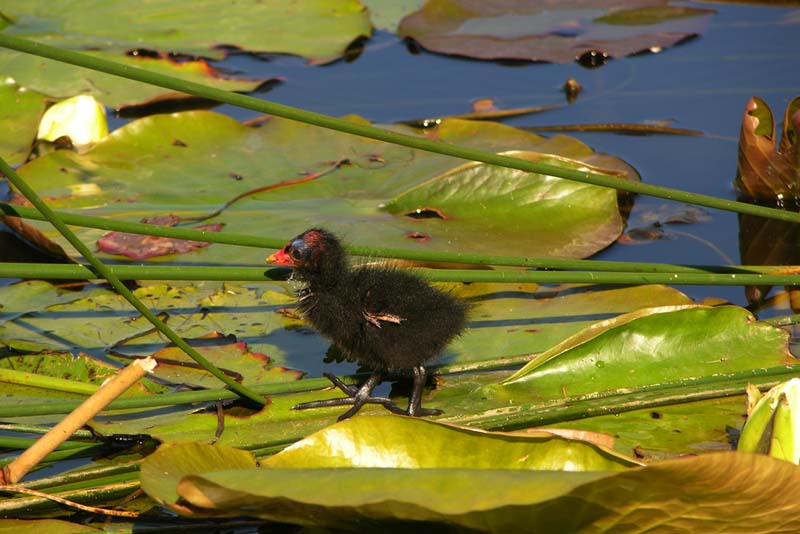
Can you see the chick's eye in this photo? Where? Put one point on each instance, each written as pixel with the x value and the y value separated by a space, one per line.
pixel 298 250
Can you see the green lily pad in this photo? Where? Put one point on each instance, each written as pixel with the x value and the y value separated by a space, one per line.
pixel 665 432
pixel 95 321
pixel 119 31
pixel 226 354
pixel 496 489
pixel 486 200
pixel 655 345
pixel 560 33
pixel 160 479
pixel 142 170
pixel 60 80
pixel 44 526
pixel 386 14
pixel 20 111
pixel 315 29
pixel 421 444
pixel 417 444
pixel 520 319
pixel 30 295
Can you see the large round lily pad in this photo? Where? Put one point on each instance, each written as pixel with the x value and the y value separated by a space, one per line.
pixel 189 164
pixel 550 31
pixel 134 33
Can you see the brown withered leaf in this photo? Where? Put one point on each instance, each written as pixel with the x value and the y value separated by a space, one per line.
pixel 139 247
pixel 765 173
pixel 32 237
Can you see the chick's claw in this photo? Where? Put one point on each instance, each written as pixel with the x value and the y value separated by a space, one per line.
pixel 376 318
pixel 355 397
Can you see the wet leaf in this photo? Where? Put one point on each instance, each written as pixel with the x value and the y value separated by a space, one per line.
pixel 386 14
pixel 664 432
pixel 764 172
pixel 65 366
pixel 30 295
pixel 508 202
pixel 517 319
pixel 20 110
pixel 163 470
pixel 99 319
pixel 85 372
pixel 655 345
pixel 43 526
pixel 144 35
pixel 541 31
pixel 225 353
pixel 412 443
pixel 164 152
pixel 35 238
pixel 141 247
pixel 715 492
pixel 59 80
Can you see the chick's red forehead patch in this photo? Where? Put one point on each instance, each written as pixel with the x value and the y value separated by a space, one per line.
pixel 311 237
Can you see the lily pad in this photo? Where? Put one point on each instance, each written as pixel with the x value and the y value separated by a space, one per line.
pixel 60 80
pixel 489 200
pixel 728 491
pixel 664 432
pixel 315 29
pixel 150 34
pixel 44 526
pixel 73 374
pixel 656 345
pixel 141 247
pixel 30 295
pixel 545 31
pixel 520 319
pixel 226 354
pixel 160 479
pixel 20 111
pixel 386 14
pixel 143 168
pixel 421 444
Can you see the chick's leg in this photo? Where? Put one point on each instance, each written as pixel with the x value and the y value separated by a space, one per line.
pixel 415 401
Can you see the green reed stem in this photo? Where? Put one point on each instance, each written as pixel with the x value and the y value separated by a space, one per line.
pixel 325 121
pixel 226 238
pixel 260 274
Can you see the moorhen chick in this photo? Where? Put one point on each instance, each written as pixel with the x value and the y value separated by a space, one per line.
pixel 383 318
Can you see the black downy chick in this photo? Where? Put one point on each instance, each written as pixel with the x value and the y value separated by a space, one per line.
pixel 383 318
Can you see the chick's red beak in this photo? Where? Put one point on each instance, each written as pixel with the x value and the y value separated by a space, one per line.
pixel 281 258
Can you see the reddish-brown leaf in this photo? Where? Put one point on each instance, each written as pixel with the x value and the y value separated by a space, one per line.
pixel 765 173
pixel 140 247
